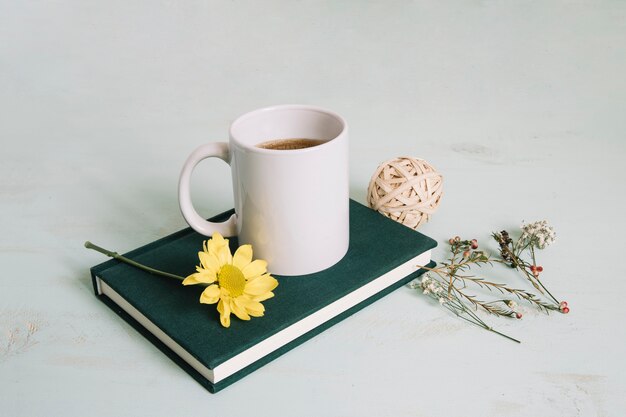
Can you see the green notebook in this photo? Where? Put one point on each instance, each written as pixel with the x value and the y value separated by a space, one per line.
pixel 382 256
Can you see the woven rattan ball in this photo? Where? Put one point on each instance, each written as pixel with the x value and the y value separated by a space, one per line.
pixel 407 190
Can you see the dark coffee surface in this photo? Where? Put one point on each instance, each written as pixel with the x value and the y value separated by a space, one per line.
pixel 290 144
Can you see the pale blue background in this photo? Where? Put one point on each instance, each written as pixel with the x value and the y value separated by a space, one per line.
pixel 520 105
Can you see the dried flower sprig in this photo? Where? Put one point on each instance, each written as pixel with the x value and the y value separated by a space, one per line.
pixel 448 283
pixel 536 235
pixel 435 288
pixel 464 255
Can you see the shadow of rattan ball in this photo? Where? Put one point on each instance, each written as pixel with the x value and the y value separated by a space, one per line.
pixel 407 190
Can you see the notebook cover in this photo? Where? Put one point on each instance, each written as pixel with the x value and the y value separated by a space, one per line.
pixel 377 245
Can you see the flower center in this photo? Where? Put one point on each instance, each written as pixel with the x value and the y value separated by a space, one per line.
pixel 231 278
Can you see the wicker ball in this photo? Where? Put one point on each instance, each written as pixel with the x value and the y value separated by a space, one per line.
pixel 407 190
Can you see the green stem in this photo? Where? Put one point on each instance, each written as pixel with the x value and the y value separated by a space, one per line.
pixel 502 334
pixel 532 252
pixel 121 258
pixel 548 292
pixel 481 323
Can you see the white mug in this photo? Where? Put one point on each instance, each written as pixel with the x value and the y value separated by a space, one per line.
pixel 292 206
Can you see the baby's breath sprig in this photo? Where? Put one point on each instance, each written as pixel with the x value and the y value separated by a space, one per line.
pixel 435 287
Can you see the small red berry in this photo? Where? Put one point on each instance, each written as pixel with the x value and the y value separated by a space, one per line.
pixel 457 238
pixel 518 315
pixel 451 241
pixel 563 304
pixel 565 310
pixel 474 244
pixel 466 254
pixel 540 268
pixel 533 269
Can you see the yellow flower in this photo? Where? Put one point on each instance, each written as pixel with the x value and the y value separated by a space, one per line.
pixel 236 282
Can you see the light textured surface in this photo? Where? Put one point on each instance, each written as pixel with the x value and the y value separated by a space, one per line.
pixel 519 104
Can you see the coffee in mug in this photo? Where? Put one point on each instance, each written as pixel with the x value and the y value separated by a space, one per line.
pixel 290 144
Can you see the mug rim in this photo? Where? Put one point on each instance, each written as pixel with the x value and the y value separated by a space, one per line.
pixel 342 121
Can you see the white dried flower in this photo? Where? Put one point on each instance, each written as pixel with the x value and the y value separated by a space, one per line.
pixel 539 234
pixel 414 284
pixel 431 286
pixel 424 284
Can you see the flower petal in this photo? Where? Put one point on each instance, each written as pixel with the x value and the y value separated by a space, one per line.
pixel 263 276
pixel 201 277
pixel 223 255
pixel 216 245
pixel 216 239
pixel 224 309
pixel 262 297
pixel 219 239
pixel 209 261
pixel 191 280
pixel 254 269
pixel 210 295
pixel 261 285
pixel 253 308
pixel 224 292
pixel 206 276
pixel 243 256
pixel 239 309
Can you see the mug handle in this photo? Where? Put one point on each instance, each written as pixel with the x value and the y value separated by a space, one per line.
pixel 197 222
